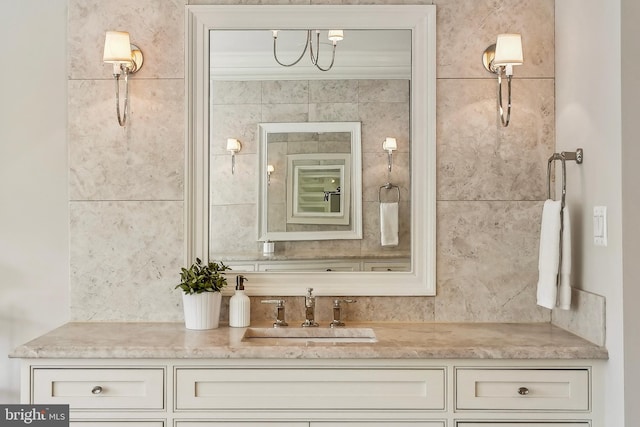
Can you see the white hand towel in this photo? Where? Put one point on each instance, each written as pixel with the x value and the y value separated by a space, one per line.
pixel 564 282
pixel 549 254
pixel 389 224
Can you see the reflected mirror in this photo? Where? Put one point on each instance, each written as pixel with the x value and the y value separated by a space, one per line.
pixel 310 185
pixel 318 205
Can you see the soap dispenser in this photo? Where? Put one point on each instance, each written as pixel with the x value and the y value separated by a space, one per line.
pixel 239 305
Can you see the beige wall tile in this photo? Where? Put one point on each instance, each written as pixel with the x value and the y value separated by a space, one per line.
pixel 125 260
pixel 467 27
pixel 487 262
pixel 155 26
pixel 142 161
pixel 478 159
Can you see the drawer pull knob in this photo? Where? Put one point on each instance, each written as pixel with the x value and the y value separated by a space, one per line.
pixel 96 390
pixel 523 391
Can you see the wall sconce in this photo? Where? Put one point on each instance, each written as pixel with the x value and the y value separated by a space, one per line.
pixel 270 170
pixel 389 145
pixel 500 58
pixel 233 146
pixel 333 35
pixel 126 59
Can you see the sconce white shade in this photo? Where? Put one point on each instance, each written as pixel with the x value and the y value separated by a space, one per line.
pixel 390 144
pixel 508 50
pixel 117 47
pixel 270 169
pixel 233 145
pixel 336 35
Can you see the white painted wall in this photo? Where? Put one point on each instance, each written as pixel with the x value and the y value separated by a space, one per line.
pixel 631 206
pixel 588 109
pixel 34 248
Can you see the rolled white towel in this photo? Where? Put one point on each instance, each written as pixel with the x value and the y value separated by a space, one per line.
pixel 389 224
pixel 549 254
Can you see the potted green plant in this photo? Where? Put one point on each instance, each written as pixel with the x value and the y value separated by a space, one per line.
pixel 201 286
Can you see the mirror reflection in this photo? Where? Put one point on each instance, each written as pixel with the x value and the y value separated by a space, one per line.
pixel 314 191
pixel 309 192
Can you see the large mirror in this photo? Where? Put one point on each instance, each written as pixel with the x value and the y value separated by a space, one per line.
pixel 385 199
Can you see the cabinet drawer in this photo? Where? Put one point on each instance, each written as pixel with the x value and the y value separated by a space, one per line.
pixel 100 388
pixel 523 424
pixel 240 424
pixel 117 423
pixel 310 389
pixel 522 389
pixel 381 424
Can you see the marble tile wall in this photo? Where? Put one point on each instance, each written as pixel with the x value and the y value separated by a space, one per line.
pixel 382 108
pixel 126 185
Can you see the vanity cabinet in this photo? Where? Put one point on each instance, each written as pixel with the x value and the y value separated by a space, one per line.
pixel 318 392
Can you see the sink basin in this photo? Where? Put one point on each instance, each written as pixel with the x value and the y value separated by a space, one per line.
pixel 307 335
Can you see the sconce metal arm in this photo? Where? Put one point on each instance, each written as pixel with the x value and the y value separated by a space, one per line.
pixel 505 122
pixel 122 120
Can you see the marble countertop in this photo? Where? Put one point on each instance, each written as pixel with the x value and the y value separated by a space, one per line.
pixel 395 341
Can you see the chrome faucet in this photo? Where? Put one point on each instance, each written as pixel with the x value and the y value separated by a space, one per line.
pixel 280 320
pixel 337 309
pixel 309 310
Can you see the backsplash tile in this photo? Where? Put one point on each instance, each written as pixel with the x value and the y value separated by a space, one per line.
pixel 586 317
pixel 126 253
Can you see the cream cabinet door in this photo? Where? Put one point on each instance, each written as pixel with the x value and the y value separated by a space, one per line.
pixel 522 389
pixel 380 424
pixel 239 424
pixel 119 423
pixel 310 389
pixel 523 424
pixel 100 388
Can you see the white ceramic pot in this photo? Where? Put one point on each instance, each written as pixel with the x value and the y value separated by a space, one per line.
pixel 202 311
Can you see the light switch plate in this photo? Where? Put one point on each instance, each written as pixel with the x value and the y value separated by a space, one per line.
pixel 600 225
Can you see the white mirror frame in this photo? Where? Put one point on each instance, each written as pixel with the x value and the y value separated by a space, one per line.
pixel 354 196
pixel 421 20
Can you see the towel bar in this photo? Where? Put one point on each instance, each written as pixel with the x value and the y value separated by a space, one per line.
pixel 388 186
pixel 576 156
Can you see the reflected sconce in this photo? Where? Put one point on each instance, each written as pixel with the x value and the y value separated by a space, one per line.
pixel 500 58
pixel 270 170
pixel 126 59
pixel 334 37
pixel 389 145
pixel 233 146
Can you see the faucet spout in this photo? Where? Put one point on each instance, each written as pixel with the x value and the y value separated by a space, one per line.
pixel 309 310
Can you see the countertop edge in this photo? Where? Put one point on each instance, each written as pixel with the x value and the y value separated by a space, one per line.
pixel 89 340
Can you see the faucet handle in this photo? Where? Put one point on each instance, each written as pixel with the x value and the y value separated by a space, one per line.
pixel 280 318
pixel 337 302
pixel 337 308
pixel 309 291
pixel 277 302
